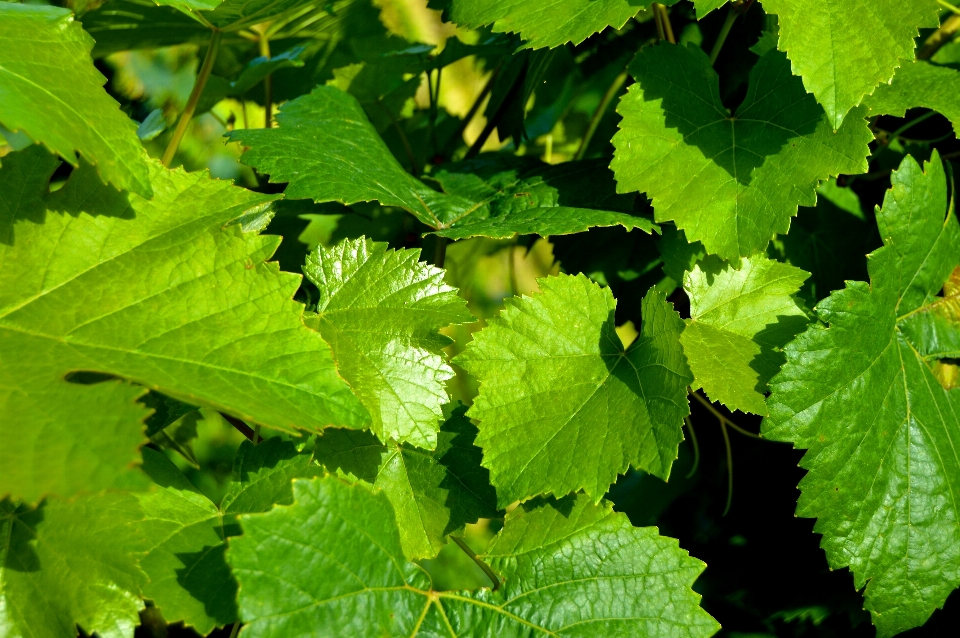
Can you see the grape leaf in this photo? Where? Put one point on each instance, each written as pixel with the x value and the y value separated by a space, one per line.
pixel 189 579
pixel 728 181
pixel 57 571
pixel 706 6
pixel 883 472
pixel 521 195
pixel 434 493
pixel 547 23
pixel 199 5
pixel 71 115
pixel 919 84
pixel 623 580
pixel 381 312
pixel 327 150
pixel 843 51
pixel 679 255
pixel 166 293
pixel 739 320
pixel 552 367
pixel 233 15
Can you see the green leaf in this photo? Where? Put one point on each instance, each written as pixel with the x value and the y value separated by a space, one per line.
pixel 883 472
pixel 740 318
pixel 68 116
pixel 434 493
pixel 679 255
pixel 233 15
pixel 521 196
pixel 189 579
pixel 165 293
pixel 328 151
pixel 843 51
pixel 919 84
pixel 69 563
pixel 562 406
pixel 706 6
pixel 547 23
pixel 381 312
pixel 623 580
pixel 728 181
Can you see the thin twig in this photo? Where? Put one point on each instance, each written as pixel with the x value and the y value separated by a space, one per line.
pixel 598 114
pixel 696 446
pixel 658 20
pixel 458 134
pixel 482 565
pixel 236 628
pixel 667 27
pixel 732 15
pixel 191 107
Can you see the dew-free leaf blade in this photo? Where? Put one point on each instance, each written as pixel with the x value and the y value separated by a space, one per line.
pixel 625 581
pixel 883 472
pixel 730 181
pixel 67 116
pixel 552 367
pixel 919 84
pixel 173 297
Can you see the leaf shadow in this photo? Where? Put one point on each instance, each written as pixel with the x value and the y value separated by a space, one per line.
pixel 461 459
pixel 771 341
pixel 206 576
pixel 774 111
pixel 21 554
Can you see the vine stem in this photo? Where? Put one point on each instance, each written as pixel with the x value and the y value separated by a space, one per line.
pixel 618 83
pixel 735 11
pixel 940 37
pixel 655 7
pixel 722 419
pixel 726 444
pixel 667 26
pixel 241 427
pixel 191 107
pixel 236 628
pixel 440 253
pixel 267 83
pixel 482 565
pixel 458 134
pixel 498 115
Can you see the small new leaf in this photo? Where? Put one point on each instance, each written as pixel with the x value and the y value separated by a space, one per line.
pixel 332 565
pixel 381 312
pixel 562 405
pixel 730 181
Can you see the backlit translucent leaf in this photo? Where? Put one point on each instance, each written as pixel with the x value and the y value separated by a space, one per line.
pixel 189 578
pixel 434 493
pixel 739 319
pixel 381 312
pixel 68 112
pixel 547 23
pixel 883 471
pixel 69 563
pixel 332 565
pixel 165 293
pixel 562 406
pixel 728 181
pixel 917 84
pixel 520 196
pixel 843 50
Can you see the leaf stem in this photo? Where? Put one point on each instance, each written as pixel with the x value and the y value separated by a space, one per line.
pixel 236 628
pixel 458 134
pixel 950 7
pixel 940 37
pixel 191 107
pixel 658 20
pixel 736 10
pixel 696 446
pixel 482 565
pixel 667 26
pixel 615 87
pixel 242 427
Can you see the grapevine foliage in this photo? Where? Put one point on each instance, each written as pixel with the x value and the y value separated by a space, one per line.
pixel 430 364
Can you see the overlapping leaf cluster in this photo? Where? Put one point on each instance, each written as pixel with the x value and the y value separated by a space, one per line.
pixel 133 295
